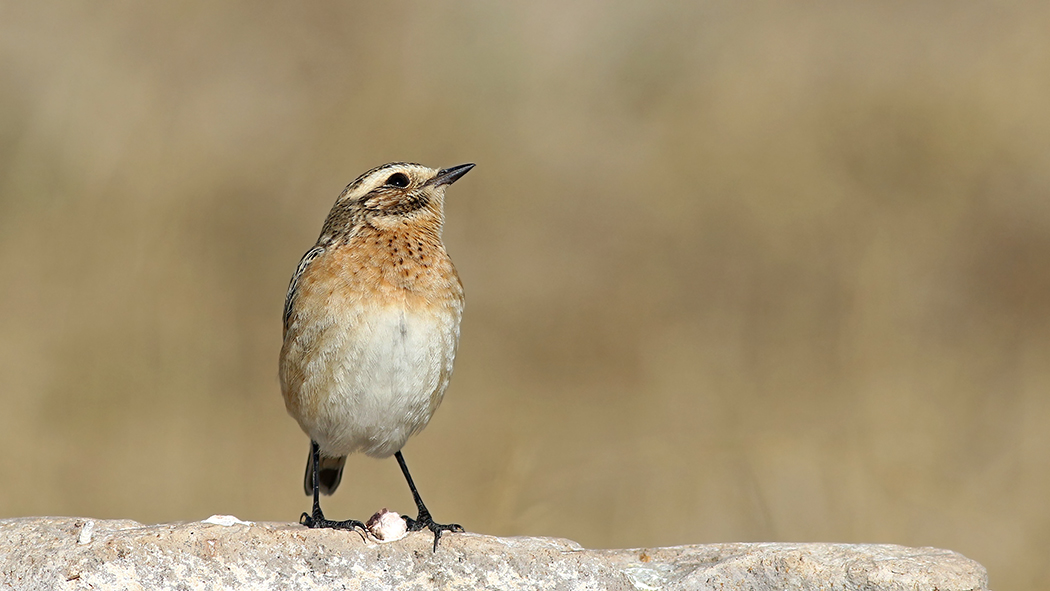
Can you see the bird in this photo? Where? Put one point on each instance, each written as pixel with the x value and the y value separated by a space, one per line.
pixel 371 329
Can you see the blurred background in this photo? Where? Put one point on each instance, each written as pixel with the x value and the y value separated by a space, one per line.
pixel 734 271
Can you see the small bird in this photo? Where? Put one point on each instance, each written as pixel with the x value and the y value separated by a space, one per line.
pixel 371 328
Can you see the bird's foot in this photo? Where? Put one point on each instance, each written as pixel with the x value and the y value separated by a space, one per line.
pixel 424 520
pixel 317 520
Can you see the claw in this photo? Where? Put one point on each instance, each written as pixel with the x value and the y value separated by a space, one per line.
pixel 317 521
pixel 425 520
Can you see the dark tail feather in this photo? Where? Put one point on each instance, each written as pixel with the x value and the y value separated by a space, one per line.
pixel 328 476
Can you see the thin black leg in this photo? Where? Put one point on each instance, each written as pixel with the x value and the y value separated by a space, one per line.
pixel 423 519
pixel 317 520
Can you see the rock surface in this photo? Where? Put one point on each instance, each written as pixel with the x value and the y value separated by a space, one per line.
pixel 79 553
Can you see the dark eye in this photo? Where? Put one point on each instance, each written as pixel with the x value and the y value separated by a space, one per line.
pixel 398 179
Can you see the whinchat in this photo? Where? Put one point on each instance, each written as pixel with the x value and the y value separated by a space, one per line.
pixel 371 328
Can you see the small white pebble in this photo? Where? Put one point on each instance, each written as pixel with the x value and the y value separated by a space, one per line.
pixel 387 526
pixel 86 532
pixel 225 520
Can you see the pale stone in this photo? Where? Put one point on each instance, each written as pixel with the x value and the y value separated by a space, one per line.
pixel 225 520
pixel 54 553
pixel 387 526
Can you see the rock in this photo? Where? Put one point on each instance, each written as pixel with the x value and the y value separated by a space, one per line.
pixel 223 552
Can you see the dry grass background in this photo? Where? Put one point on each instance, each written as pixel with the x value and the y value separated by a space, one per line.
pixel 735 271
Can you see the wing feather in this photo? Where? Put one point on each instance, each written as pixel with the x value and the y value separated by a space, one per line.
pixel 293 286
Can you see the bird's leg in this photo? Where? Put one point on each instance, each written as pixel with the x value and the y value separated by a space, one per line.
pixel 423 519
pixel 317 520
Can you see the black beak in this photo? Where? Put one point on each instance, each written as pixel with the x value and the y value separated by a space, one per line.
pixel 447 176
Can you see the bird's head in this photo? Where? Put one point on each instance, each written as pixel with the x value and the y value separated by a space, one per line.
pixel 393 195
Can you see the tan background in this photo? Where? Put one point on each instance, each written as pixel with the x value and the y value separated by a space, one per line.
pixel 735 271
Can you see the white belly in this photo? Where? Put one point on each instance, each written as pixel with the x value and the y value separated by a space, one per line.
pixel 373 379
